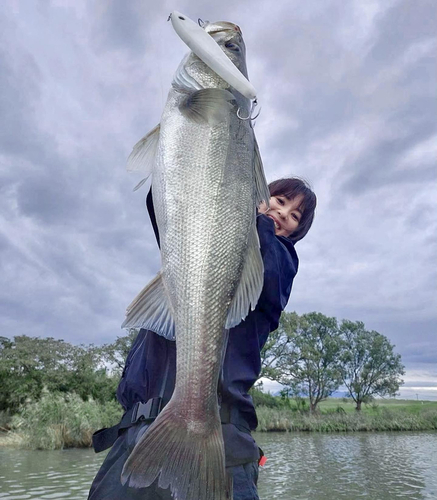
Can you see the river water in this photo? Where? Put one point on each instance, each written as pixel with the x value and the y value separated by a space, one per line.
pixel 379 466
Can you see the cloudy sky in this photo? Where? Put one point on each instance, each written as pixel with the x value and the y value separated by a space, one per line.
pixel 348 93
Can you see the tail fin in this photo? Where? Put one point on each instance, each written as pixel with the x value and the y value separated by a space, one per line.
pixel 188 457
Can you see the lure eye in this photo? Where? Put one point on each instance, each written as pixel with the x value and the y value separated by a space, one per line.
pixel 181 18
pixel 232 46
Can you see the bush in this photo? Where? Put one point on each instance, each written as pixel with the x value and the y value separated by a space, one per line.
pixel 261 398
pixel 63 420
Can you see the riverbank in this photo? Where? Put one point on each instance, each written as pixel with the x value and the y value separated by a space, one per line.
pixel 65 421
pixel 340 420
pixel 59 421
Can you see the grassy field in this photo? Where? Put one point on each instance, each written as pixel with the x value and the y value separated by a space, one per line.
pixel 408 405
pixel 339 415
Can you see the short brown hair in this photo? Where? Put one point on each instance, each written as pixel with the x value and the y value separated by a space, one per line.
pixel 290 188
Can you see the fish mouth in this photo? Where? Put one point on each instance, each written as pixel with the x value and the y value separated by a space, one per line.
pixel 275 220
pixel 222 27
pixel 224 31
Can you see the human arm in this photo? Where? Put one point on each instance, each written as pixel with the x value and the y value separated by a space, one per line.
pixel 280 267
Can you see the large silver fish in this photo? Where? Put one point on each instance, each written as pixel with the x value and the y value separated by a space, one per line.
pixel 207 182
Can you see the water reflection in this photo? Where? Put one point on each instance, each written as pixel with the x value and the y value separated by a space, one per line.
pixel 349 466
pixel 47 474
pixel 300 467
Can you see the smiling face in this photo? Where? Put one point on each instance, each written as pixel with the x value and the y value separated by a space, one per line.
pixel 285 213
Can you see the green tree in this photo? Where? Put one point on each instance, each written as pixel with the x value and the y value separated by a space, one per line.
pixel 89 376
pixel 303 356
pixel 27 365
pixel 278 349
pixel 115 354
pixel 317 345
pixel 369 365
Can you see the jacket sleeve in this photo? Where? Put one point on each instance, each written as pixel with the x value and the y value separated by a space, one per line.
pixel 280 267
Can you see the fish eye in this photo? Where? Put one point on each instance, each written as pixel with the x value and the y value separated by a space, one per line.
pixel 232 46
pixel 181 18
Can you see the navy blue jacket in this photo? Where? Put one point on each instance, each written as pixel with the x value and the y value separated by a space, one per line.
pixel 144 370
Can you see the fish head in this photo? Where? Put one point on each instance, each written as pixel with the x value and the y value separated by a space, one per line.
pixel 194 74
pixel 230 39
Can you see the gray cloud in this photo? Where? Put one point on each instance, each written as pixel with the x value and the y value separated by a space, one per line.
pixel 19 82
pixel 118 25
pixel 348 97
pixel 402 25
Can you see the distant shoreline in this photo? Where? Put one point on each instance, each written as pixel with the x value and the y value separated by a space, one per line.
pixel 282 420
pixel 54 423
pixel 339 415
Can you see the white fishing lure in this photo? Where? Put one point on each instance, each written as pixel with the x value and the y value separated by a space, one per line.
pixel 206 49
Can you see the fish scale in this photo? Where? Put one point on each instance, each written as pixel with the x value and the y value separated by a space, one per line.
pixel 204 177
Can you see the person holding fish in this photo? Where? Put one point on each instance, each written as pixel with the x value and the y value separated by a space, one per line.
pixel 228 264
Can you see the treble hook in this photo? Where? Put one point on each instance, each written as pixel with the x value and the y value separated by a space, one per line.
pixel 250 117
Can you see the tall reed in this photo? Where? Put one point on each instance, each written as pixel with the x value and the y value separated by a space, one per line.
pixel 62 421
pixel 5 420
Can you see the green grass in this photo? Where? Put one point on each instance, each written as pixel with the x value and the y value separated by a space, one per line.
pixel 5 420
pixel 338 416
pixel 410 406
pixel 65 420
pixel 59 421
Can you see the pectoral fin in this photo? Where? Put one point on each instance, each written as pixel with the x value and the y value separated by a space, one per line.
pixel 251 283
pixel 151 310
pixel 142 158
pixel 207 105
